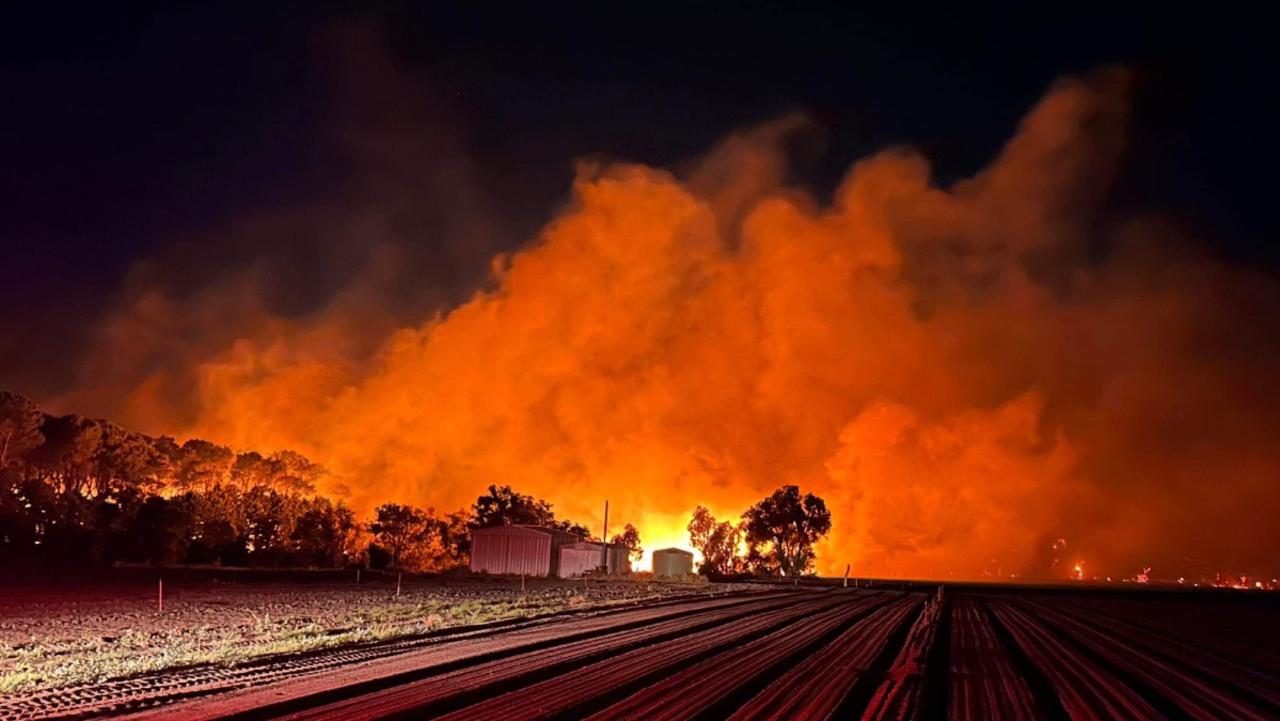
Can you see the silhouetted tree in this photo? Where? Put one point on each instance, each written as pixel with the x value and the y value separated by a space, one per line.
pixel 270 518
pixel 503 506
pixel 202 465
pixel 416 539
pixel 20 422
pixel 324 534
pixel 576 529
pixel 30 509
pixel 379 557
pixel 66 459
pixel 113 517
pixel 21 497
pixel 79 490
pixel 786 525
pixel 163 530
pixel 125 462
pixel 250 469
pixel 221 532
pixel 456 535
pixel 717 541
pixel 630 538
pixel 296 473
pixel 168 459
pixel 396 526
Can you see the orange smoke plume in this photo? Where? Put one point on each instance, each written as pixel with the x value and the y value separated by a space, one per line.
pixel 964 373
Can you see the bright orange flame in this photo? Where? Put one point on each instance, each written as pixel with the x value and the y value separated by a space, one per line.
pixel 663 531
pixel 945 366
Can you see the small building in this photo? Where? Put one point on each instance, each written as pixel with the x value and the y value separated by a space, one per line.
pixel 518 549
pixel 672 562
pixel 588 556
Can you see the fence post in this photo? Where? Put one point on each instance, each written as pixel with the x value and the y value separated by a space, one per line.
pixel 160 594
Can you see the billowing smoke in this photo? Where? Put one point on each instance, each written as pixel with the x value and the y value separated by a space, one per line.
pixel 965 373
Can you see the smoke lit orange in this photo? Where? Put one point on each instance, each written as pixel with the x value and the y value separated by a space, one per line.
pixel 908 351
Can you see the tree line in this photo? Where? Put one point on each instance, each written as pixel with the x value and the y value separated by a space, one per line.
pixel 405 536
pixel 82 491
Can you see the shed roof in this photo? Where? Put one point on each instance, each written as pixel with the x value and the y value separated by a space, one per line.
pixel 597 545
pixel 674 550
pixel 525 529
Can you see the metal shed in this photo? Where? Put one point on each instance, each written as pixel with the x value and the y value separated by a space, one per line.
pixel 672 562
pixel 587 556
pixel 526 550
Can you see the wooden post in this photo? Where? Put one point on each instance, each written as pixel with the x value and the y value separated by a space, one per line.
pixel 357 575
pixel 522 583
pixel 398 576
pixel 160 594
pixel 846 575
pixel 604 540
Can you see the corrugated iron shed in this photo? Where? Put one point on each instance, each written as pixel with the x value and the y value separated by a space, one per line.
pixel 587 556
pixel 525 550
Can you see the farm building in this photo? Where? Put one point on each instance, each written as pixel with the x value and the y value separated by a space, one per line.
pixel 672 562
pixel 586 556
pixel 526 550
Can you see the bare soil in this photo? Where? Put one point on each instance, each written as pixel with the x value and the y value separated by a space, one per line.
pixel 609 651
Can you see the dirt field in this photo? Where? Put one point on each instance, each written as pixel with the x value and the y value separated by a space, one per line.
pixel 754 653
pixel 73 634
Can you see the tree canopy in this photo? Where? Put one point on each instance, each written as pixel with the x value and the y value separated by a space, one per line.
pixel 630 539
pixel 77 490
pixel 785 526
pixel 504 506
pixel 717 541
pixel 774 537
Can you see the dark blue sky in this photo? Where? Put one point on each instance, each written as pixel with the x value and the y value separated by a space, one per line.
pixel 124 130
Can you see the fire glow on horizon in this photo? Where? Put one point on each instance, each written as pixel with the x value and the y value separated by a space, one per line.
pixel 952 369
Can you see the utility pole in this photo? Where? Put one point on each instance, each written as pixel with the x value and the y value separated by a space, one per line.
pixel 605 538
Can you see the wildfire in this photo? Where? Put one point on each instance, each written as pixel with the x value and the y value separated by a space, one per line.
pixel 662 531
pixel 907 351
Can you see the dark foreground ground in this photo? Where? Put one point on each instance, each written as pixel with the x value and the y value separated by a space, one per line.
pixel 764 652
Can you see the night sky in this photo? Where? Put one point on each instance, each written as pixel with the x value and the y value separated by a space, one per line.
pixel 127 132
